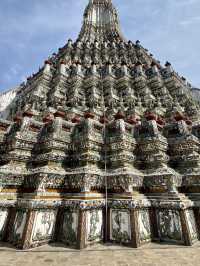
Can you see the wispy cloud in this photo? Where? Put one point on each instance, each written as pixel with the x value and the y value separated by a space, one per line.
pixel 190 21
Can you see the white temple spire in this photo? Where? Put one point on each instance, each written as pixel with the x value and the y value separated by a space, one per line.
pixel 100 22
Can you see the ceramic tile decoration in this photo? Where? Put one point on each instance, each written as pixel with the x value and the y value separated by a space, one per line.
pixel 170 225
pixel 70 227
pixel 94 225
pixel 43 225
pixel 120 221
pixel 144 226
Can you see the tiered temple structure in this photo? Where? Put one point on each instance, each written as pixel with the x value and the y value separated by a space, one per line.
pixel 102 144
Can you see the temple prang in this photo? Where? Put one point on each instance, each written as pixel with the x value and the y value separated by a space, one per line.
pixel 102 144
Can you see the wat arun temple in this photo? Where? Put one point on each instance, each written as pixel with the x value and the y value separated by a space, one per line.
pixel 102 144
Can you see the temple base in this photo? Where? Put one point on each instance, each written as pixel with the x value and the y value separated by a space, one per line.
pixel 81 223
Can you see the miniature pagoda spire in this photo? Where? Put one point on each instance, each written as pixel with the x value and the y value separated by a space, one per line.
pixel 100 22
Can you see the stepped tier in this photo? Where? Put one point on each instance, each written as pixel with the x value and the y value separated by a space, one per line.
pixel 102 144
pixel 67 82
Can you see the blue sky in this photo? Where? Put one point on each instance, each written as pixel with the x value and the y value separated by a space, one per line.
pixel 30 30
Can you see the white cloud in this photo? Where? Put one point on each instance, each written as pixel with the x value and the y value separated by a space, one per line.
pixel 190 21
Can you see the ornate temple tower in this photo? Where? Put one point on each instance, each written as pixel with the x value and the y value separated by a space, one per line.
pixel 100 145
pixel 101 22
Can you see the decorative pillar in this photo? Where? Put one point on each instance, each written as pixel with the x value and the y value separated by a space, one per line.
pixel 106 225
pixel 185 228
pixel 135 239
pixel 26 238
pixel 9 225
pixel 59 225
pixel 81 238
pixel 154 224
